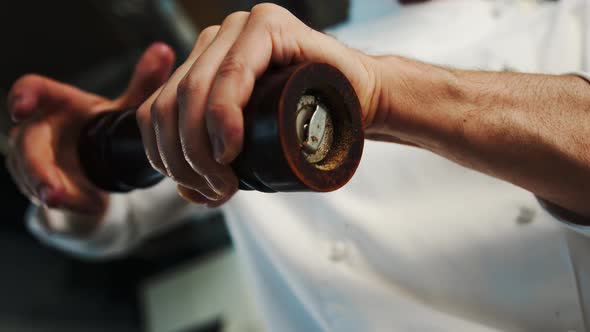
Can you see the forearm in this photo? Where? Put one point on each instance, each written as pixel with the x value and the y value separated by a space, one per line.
pixel 530 130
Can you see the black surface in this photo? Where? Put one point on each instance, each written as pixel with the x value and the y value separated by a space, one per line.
pixel 112 155
pixel 65 39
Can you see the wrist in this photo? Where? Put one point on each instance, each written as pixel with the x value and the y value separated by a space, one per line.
pixel 418 103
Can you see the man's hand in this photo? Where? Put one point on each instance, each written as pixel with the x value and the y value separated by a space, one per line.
pixel 192 128
pixel 530 130
pixel 43 156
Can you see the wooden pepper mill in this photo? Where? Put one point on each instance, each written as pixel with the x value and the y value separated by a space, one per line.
pixel 302 132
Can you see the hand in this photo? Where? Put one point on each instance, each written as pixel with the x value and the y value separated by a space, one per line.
pixel 192 128
pixel 43 156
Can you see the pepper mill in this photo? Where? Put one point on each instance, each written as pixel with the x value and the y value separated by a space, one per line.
pixel 302 132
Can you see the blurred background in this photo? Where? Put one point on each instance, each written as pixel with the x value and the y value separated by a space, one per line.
pixel 183 281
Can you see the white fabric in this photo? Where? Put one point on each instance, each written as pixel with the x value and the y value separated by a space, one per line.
pixel 130 219
pixel 415 242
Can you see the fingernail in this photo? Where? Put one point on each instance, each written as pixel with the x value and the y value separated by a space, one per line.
pixel 218 148
pixel 218 185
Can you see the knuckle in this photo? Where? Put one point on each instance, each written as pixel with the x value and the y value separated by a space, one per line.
pixel 156 108
pixel 235 17
pixel 159 110
pixel 216 110
pixel 184 88
pixel 29 79
pixel 207 35
pixel 143 114
pixel 24 81
pixel 189 86
pixel 266 9
pixel 232 65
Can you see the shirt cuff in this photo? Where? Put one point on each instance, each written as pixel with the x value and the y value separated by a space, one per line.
pixel 113 237
pixel 563 214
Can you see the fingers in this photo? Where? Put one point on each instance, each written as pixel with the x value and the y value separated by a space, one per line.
pixel 193 91
pixel 43 179
pixel 148 134
pixel 272 35
pixel 241 64
pixel 165 120
pixel 158 118
pixel 196 197
pixel 197 117
pixel 32 93
pixel 152 70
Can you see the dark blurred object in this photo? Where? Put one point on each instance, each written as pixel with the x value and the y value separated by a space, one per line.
pixel 214 326
pixel 68 39
pixel 111 153
pixel 410 2
pixel 317 14
pixel 94 43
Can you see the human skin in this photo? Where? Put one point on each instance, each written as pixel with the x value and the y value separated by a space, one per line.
pixel 526 129
pixel 42 154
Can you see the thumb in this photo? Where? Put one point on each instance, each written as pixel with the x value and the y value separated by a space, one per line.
pixel 151 71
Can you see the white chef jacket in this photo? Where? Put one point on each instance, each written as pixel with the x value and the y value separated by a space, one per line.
pixel 414 242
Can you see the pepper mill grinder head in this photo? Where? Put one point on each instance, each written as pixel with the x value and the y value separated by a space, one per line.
pixel 303 131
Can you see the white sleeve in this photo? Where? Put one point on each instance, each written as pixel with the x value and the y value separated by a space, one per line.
pixel 130 219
